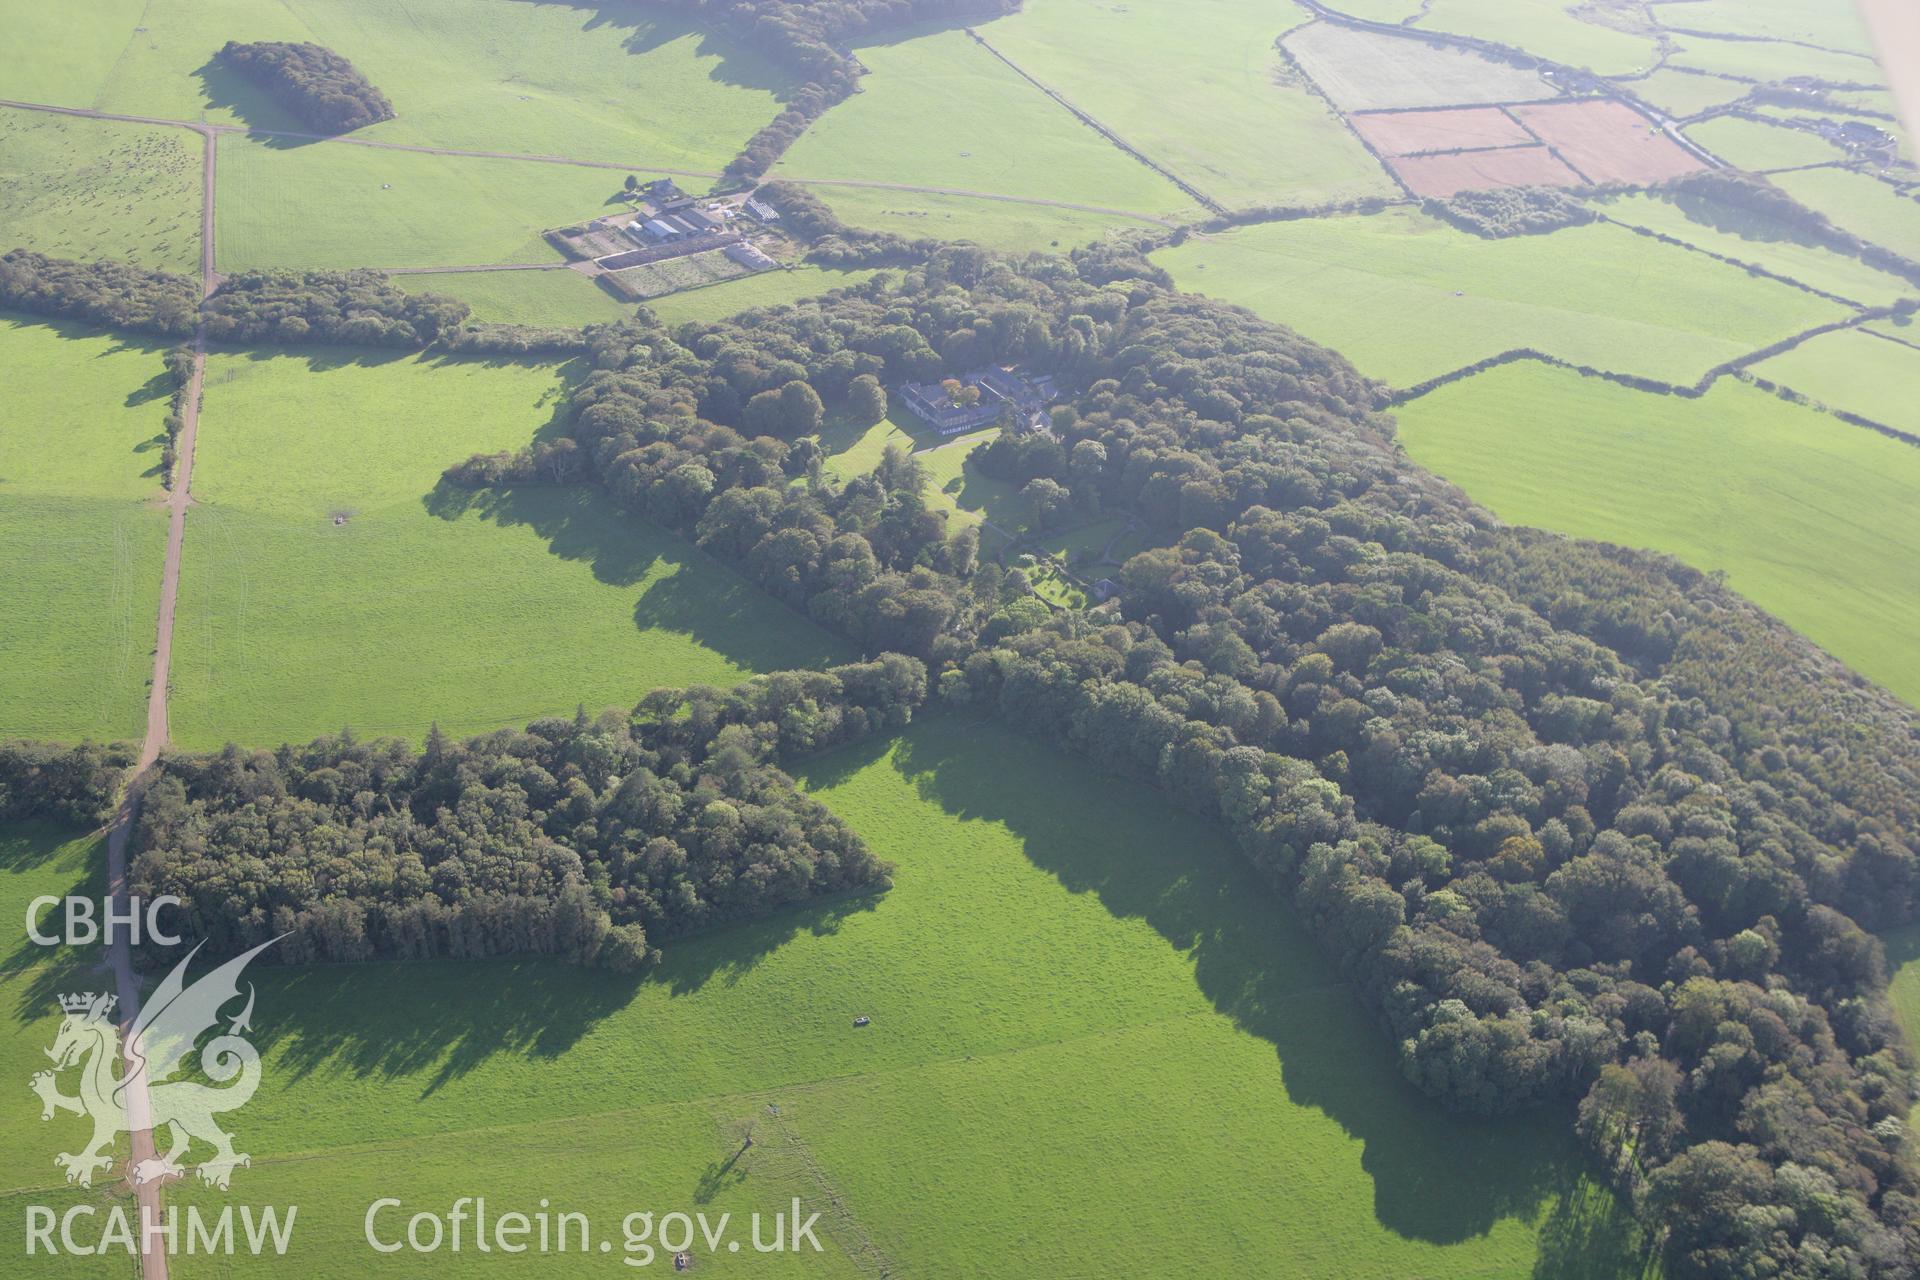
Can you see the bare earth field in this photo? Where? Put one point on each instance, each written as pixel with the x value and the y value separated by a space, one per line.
pixel 1607 141
pixel 1443 175
pixel 1410 133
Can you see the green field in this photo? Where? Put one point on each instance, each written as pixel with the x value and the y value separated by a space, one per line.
pixel 1365 71
pixel 1407 298
pixel 1810 518
pixel 1861 204
pixel 564 298
pixel 1679 93
pixel 1379 10
pixel 81 538
pixel 1857 371
pixel 1095 1040
pixel 95 189
pixel 1771 60
pixel 1546 29
pixel 428 603
pixel 620 81
pixel 36 859
pixel 1150 69
pixel 1903 987
pixel 997 224
pixel 767 289
pixel 940 111
pixel 954 484
pixel 329 204
pixel 1830 26
pixel 1746 236
pixel 1757 147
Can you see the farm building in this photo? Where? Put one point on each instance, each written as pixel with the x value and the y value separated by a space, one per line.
pixel 762 210
pixel 1000 388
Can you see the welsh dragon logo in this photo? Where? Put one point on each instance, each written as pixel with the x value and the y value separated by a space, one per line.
pixel 158 1045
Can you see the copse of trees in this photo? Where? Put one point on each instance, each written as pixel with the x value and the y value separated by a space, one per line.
pixel 314 83
pixel 101 293
pixel 831 242
pixel 592 840
pixel 1511 211
pixel 1555 807
pixel 71 784
pixel 1755 194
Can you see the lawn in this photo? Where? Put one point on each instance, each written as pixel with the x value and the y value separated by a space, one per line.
pixel 620 81
pixel 953 481
pixel 333 205
pixel 1012 226
pixel 940 111
pixel 1681 93
pixel 1407 298
pixel 1547 29
pixel 81 539
pixel 1095 1039
pixel 1861 204
pixel 428 603
pixel 564 298
pixel 1757 147
pixel 35 859
pixel 766 289
pixel 1871 376
pixel 1746 236
pixel 94 189
pixel 1150 69
pixel 1810 518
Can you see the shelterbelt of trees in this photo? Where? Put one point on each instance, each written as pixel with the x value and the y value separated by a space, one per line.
pixel 588 839
pixel 323 89
pixel 1579 822
pixel 74 785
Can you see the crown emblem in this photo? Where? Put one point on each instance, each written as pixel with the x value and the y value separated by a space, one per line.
pixel 84 1001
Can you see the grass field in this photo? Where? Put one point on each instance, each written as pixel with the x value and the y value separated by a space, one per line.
pixel 1364 71
pixel 940 111
pixel 1771 60
pixel 1095 1039
pixel 619 81
pixel 36 859
pixel 1680 94
pixel 1546 29
pixel 331 205
pixel 954 484
pixel 1810 518
pixel 524 297
pixel 1903 985
pixel 1852 370
pixel 1746 236
pixel 767 289
pixel 1830 26
pixel 428 603
pixel 1861 204
pixel 1151 68
pixel 1408 298
pixel 94 189
pixel 996 224
pixel 80 540
pixel 1751 145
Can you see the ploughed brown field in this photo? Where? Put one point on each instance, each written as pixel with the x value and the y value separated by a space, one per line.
pixel 1407 133
pixel 1440 176
pixel 1607 141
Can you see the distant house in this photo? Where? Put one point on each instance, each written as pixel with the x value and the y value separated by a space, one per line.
pixel 1105 589
pixel 663 189
pixel 762 210
pixel 999 388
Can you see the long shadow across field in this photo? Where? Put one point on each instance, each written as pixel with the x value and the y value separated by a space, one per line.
pixel 1437 1177
pixel 650 29
pixel 705 600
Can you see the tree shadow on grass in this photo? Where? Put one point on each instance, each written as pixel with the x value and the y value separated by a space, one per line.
pixel 224 89
pixel 1437 1177
pixel 700 598
pixel 649 29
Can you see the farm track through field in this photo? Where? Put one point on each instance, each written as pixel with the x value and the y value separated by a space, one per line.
pixel 214 130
